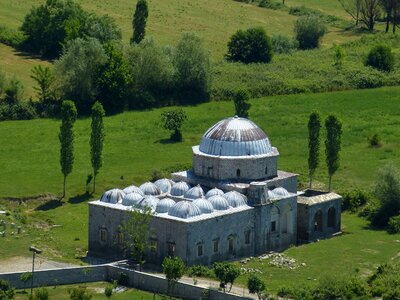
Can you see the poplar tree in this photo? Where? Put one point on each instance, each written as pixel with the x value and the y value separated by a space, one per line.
pixel 66 136
pixel 314 126
pixel 139 21
pixel 332 145
pixel 242 105
pixel 97 140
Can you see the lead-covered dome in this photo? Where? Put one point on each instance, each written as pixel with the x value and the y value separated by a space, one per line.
pixel 150 189
pixel 179 188
pixel 214 192
pixel 132 199
pixel 219 202
pixel 184 210
pixel 164 205
pixel 235 137
pixel 235 199
pixel 113 196
pixel 194 193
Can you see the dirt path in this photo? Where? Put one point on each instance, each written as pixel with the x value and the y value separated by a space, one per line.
pixel 21 264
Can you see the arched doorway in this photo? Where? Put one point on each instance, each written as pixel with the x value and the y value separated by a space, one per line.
pixel 331 217
pixel 318 221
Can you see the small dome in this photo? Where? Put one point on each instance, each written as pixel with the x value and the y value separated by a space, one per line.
pixel 195 193
pixel 219 202
pixel 164 185
pixel 204 205
pixel 280 192
pixel 235 137
pixel 214 192
pixel 235 199
pixel 133 189
pixel 179 188
pixel 164 205
pixel 184 210
pixel 132 199
pixel 113 196
pixel 149 201
pixel 271 194
pixel 150 188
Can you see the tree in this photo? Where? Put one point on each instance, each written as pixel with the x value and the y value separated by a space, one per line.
pixel 108 292
pixel 135 233
pixel 193 71
pixel 173 120
pixel 256 286
pixel 173 268
pixel 250 46
pixel 79 294
pixel 309 31
pixel 25 277
pixel 242 105
pixel 388 6
pixel 14 92
pixel 139 21
pixel 6 291
pixel 332 145
pixel 97 140
pixel 226 273
pixel 381 57
pixel 314 126
pixel 352 7
pixel 113 79
pixel 387 191
pixel 66 137
pixel 44 79
pixel 77 72
pixel 364 11
pixel 339 57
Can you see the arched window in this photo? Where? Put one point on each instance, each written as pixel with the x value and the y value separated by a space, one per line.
pixel 286 219
pixel 318 221
pixel 331 217
pixel 266 170
pixel 274 219
pixel 238 173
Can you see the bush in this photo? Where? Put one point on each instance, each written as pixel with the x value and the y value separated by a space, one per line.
pixel 271 4
pixel 173 120
pixel 123 279
pixel 250 46
pixel 375 141
pixel 6 290
pixel 41 294
pixel 79 294
pixel 385 281
pixel 354 200
pixel 283 44
pixel 108 291
pixel 200 271
pixel 381 57
pixel 308 31
pixel 10 37
pixel 18 111
pixel 394 224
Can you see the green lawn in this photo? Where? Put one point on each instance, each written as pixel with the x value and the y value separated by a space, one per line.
pixel 97 291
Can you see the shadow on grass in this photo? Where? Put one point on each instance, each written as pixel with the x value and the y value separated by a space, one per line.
pixel 52 204
pixel 166 141
pixel 80 198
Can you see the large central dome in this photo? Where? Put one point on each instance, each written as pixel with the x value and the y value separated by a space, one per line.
pixel 235 137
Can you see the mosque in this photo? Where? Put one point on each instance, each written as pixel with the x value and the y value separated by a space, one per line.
pixel 233 203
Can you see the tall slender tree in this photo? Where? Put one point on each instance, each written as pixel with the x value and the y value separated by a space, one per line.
pixel 66 136
pixel 314 126
pixel 332 145
pixel 139 21
pixel 44 78
pixel 97 140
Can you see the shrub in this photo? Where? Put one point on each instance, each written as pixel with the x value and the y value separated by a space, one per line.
pixel 283 44
pixel 6 290
pixel 173 120
pixel 41 294
pixel 10 37
pixel 385 281
pixel 18 111
pixel 200 271
pixel 250 46
pixel 339 57
pixel 354 200
pixel 108 291
pixel 79 294
pixel 256 286
pixel 394 224
pixel 123 279
pixel 226 273
pixel 271 4
pixel 308 31
pixel 381 57
pixel 375 141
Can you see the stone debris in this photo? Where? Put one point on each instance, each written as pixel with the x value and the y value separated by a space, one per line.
pixel 250 270
pixel 282 261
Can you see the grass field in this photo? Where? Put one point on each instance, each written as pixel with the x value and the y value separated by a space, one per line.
pixel 97 291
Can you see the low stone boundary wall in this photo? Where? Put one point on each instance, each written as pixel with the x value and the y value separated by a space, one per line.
pixel 140 280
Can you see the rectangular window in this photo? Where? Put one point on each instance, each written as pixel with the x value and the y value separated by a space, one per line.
pixel 103 235
pixel 231 246
pixel 153 246
pixel 216 246
pixel 199 250
pixel 171 249
pixel 247 237
pixel 273 226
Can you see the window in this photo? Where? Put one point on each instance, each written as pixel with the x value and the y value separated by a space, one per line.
pixel 266 170
pixel 153 245
pixel 238 173
pixel 331 217
pixel 209 171
pixel 216 245
pixel 318 221
pixel 103 235
pixel 200 250
pixel 231 245
pixel 273 226
pixel 247 237
pixel 171 249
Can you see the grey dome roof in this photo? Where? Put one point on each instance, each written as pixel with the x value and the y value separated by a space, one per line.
pixel 271 195
pixel 113 196
pixel 164 205
pixel 235 137
pixel 150 188
pixel 194 193
pixel 132 199
pixel 214 192
pixel 219 202
pixel 133 189
pixel 184 210
pixel 204 205
pixel 149 201
pixel 179 188
pixel 235 199
pixel 164 185
pixel 280 192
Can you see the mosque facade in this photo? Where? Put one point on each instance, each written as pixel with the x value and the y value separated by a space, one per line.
pixel 233 203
